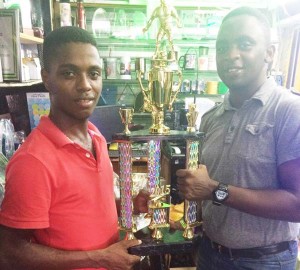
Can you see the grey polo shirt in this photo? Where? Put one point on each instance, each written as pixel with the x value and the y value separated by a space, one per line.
pixel 243 147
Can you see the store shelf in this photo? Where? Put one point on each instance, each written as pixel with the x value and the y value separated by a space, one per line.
pixel 290 21
pixel 19 84
pixel 28 39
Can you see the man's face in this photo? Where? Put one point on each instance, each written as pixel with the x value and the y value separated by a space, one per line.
pixel 241 52
pixel 74 81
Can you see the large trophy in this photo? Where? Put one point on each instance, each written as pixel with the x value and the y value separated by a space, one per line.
pixel 164 82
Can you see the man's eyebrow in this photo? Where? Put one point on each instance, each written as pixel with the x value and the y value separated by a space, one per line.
pixel 95 67
pixel 69 66
pixel 245 37
pixel 75 67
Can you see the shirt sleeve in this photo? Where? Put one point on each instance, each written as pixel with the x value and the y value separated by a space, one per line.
pixel 27 194
pixel 288 130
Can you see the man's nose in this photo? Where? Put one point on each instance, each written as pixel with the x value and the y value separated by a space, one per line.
pixel 234 52
pixel 83 83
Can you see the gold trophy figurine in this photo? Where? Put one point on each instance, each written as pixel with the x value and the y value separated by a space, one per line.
pixel 192 116
pixel 164 14
pixel 126 117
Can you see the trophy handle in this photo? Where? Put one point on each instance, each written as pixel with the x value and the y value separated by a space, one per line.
pixel 138 73
pixel 175 89
pixel 147 101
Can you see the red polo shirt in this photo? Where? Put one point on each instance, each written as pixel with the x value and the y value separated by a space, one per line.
pixel 59 189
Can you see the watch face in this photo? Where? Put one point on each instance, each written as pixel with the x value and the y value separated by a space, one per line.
pixel 221 195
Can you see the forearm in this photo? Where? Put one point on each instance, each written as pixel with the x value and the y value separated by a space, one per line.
pixel 274 204
pixel 282 203
pixel 18 252
pixel 33 256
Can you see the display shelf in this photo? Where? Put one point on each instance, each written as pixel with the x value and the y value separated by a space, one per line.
pixel 293 20
pixel 19 84
pixel 184 95
pixel 150 43
pixel 28 39
pixel 110 4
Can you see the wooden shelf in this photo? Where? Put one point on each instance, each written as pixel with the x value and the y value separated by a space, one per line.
pixel 28 39
pixel 19 84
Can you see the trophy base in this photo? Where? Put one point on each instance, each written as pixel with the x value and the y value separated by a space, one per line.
pixel 159 129
pixel 188 233
pixel 191 129
pixel 157 234
pixel 129 236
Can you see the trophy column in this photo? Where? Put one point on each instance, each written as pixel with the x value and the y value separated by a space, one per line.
pixel 191 207
pixel 153 165
pixel 126 186
pixel 158 206
pixel 192 155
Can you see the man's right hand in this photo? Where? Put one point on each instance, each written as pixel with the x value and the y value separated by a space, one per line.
pixel 195 185
pixel 116 256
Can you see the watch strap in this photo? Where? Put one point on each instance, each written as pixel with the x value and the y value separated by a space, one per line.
pixel 222 188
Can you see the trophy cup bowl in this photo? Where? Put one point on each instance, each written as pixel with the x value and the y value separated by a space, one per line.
pixel 161 92
pixel 126 118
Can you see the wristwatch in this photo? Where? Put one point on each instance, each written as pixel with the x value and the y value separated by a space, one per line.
pixel 220 194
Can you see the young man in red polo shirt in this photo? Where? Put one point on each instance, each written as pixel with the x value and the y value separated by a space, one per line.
pixel 59 209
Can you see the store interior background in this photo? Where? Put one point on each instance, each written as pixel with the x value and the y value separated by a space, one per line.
pixel 117 27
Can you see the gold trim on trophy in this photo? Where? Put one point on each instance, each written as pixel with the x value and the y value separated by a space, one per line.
pixel 126 118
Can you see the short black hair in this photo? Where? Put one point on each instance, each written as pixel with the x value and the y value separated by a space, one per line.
pixel 61 36
pixel 254 12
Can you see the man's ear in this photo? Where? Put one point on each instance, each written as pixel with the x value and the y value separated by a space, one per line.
pixel 270 52
pixel 45 78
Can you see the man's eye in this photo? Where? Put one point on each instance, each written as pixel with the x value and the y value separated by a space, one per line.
pixel 68 74
pixel 245 45
pixel 95 74
pixel 221 49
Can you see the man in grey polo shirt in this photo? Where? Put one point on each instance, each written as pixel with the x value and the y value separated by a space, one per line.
pixel 249 177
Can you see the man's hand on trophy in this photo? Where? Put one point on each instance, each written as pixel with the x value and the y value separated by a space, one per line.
pixel 140 202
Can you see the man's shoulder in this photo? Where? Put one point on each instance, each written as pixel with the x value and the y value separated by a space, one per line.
pixel 212 110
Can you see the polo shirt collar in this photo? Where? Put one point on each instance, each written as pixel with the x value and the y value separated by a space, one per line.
pixel 51 131
pixel 262 94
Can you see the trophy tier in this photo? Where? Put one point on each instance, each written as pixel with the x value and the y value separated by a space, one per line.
pixel 145 135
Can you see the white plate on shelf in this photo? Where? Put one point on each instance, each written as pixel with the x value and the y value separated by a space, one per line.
pixel 101 24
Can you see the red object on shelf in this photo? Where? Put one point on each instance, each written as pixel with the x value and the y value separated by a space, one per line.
pixel 81 20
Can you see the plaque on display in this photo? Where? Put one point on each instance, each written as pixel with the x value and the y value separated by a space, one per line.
pixel 10 44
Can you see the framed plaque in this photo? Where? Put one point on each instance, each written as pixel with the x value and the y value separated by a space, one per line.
pixel 10 44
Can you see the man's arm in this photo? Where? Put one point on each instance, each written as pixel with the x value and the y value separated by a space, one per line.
pixel 153 16
pixel 18 252
pixel 281 204
pixel 174 14
pixel 140 202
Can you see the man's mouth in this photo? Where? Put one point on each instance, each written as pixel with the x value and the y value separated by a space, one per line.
pixel 85 101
